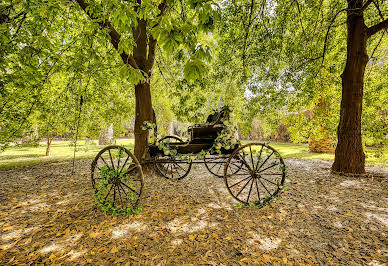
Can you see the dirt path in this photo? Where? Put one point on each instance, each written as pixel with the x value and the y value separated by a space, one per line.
pixel 47 215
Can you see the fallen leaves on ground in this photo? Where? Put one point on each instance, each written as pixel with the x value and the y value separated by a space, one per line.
pixel 49 216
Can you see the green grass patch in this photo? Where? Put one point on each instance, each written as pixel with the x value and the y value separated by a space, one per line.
pixel 17 157
pixel 301 151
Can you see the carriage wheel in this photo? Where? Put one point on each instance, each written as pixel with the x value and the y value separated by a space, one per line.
pixel 117 179
pixel 215 165
pixel 169 166
pixel 261 176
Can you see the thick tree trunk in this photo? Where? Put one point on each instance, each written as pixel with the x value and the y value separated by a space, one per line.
pixel 144 113
pixel 349 155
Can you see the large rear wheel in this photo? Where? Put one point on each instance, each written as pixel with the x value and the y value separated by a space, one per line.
pixel 117 179
pixel 261 176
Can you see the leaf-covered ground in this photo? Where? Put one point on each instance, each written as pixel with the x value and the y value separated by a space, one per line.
pixel 48 215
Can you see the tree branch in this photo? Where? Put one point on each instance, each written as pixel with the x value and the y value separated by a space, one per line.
pixel 367 3
pixel 151 54
pixel 152 41
pixel 378 27
pixel 378 9
pixel 162 7
pixel 327 34
pixel 114 35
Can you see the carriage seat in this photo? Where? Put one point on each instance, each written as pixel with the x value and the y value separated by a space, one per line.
pixel 208 132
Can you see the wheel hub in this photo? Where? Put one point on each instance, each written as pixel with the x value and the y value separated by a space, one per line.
pixel 116 180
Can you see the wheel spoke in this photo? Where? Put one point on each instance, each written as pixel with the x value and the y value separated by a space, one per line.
pixel 114 195
pixel 119 193
pixel 266 159
pixel 102 158
pixel 122 168
pixel 242 174
pixel 243 187
pixel 127 196
pixel 265 188
pixel 258 160
pixel 257 189
pixel 253 164
pixel 250 189
pixel 245 162
pixel 111 160
pixel 180 166
pixel 130 188
pixel 242 180
pixel 219 168
pixel 267 168
pixel 118 160
pixel 111 186
pixel 269 181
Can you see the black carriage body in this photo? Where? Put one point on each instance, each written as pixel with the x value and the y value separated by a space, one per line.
pixel 202 137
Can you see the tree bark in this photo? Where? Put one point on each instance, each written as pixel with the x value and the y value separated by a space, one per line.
pixel 349 155
pixel 144 113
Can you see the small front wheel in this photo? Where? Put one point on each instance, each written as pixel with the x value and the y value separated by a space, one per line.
pixel 169 166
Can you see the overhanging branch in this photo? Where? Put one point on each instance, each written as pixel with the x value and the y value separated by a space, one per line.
pixel 378 27
pixel 367 3
pixel 114 35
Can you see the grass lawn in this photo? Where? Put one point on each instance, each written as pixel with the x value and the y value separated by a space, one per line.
pixel 14 157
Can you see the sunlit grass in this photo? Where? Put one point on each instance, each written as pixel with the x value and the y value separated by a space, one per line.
pixel 15 157
pixel 301 151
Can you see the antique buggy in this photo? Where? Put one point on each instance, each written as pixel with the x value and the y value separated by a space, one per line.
pixel 253 173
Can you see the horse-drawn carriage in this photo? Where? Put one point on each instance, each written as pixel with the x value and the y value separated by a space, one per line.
pixel 253 173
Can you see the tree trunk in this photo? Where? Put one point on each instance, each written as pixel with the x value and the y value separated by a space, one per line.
pixel 349 155
pixel 48 146
pixel 144 113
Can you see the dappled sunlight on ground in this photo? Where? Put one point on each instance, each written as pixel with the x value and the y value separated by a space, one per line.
pixel 48 216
